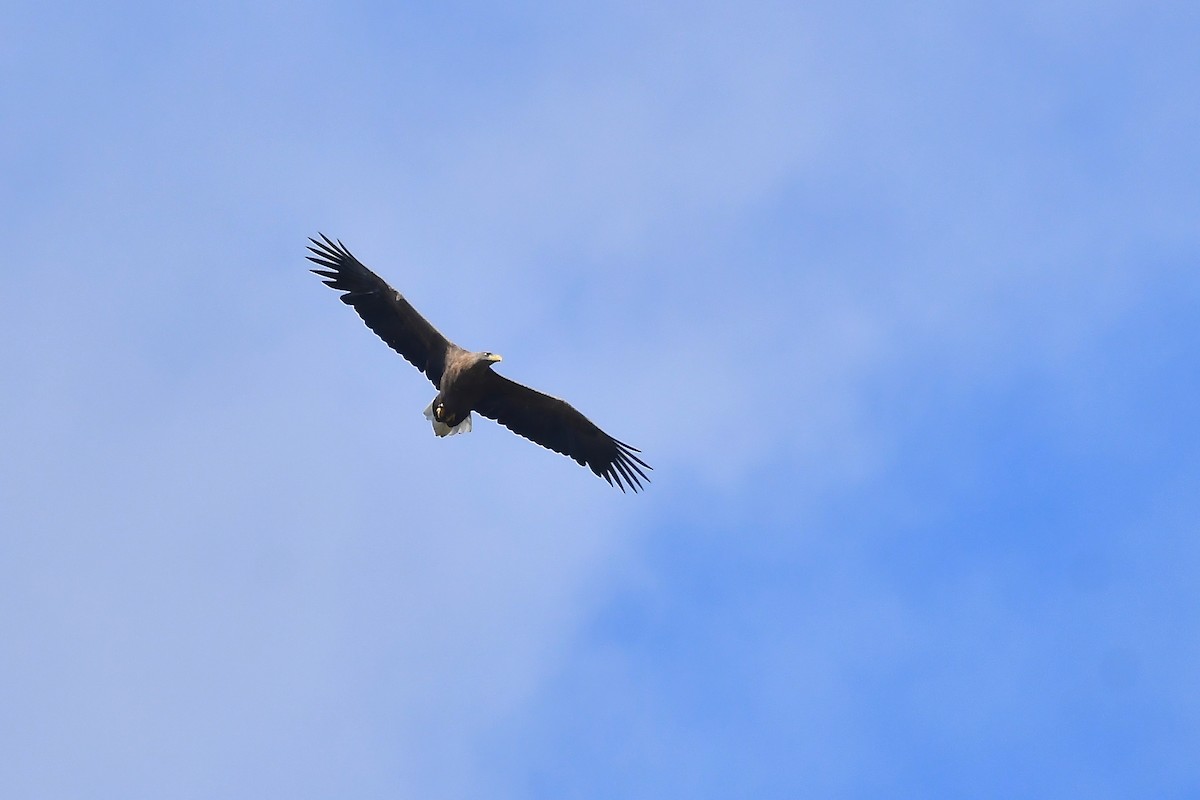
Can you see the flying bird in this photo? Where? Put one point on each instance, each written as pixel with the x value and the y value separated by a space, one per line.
pixel 465 380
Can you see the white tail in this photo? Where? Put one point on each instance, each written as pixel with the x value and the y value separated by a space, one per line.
pixel 442 429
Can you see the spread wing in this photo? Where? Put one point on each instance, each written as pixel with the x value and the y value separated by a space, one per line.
pixel 556 425
pixel 383 308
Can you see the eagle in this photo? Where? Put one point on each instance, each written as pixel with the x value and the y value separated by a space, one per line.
pixel 465 380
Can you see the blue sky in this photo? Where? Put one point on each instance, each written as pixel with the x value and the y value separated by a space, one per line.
pixel 899 302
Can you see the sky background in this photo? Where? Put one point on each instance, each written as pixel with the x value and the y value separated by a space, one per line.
pixel 900 302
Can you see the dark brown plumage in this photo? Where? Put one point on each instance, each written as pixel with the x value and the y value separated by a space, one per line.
pixel 465 380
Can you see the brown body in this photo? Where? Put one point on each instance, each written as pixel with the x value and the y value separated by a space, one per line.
pixel 464 381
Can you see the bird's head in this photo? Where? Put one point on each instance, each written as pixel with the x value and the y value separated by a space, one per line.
pixel 490 358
